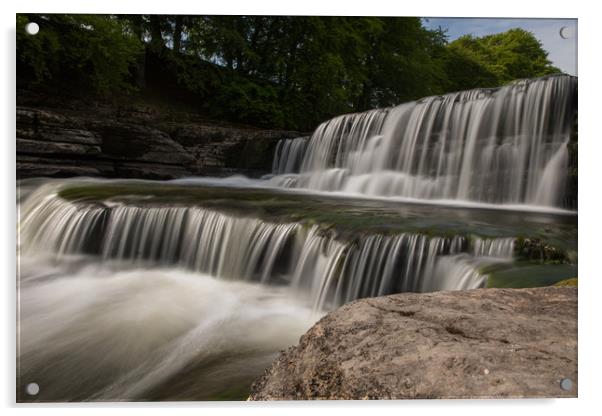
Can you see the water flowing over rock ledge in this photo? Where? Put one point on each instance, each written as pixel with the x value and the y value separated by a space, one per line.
pixel 330 260
pixel 509 145
pixel 484 343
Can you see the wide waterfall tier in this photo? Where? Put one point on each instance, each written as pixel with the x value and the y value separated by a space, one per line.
pixel 500 146
pixel 328 267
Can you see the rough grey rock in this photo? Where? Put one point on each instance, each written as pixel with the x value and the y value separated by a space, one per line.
pixel 485 343
pixel 41 125
pixel 136 142
pixel 55 148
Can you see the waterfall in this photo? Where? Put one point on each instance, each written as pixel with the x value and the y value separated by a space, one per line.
pixel 289 155
pixel 328 268
pixel 502 248
pixel 498 146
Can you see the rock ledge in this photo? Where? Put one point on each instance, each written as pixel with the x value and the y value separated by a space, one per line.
pixel 485 343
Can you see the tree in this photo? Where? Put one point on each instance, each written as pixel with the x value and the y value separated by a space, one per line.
pixel 400 62
pixel 94 52
pixel 510 55
pixel 276 71
pixel 462 71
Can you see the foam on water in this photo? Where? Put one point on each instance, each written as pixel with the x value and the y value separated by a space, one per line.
pixel 110 332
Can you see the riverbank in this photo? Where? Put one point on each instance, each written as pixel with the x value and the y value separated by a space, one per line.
pixel 484 343
pixel 137 141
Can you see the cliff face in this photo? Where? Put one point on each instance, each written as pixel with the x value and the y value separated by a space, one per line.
pixel 485 343
pixel 137 143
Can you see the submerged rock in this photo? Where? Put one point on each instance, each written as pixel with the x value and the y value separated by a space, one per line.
pixel 485 343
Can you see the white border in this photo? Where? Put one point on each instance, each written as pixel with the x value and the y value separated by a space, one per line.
pixel 590 153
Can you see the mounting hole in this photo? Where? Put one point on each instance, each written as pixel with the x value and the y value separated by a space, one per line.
pixel 566 384
pixel 32 28
pixel 566 32
pixel 32 389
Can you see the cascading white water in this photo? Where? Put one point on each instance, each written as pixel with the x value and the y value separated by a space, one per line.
pixel 108 311
pixel 109 332
pixel 502 248
pixel 463 268
pixel 289 155
pixel 133 301
pixel 331 270
pixel 499 146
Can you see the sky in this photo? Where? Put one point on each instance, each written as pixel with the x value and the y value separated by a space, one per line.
pixel 562 52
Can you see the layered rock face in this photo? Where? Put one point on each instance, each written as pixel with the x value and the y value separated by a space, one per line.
pixel 485 343
pixel 137 144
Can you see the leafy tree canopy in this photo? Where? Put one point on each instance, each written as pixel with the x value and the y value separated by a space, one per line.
pixel 91 51
pixel 276 71
pixel 508 56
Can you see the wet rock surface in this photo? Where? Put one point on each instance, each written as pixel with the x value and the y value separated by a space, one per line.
pixel 485 343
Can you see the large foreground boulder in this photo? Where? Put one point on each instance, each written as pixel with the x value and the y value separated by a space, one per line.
pixel 486 343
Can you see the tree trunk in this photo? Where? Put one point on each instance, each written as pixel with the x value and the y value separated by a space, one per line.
pixel 156 43
pixel 177 33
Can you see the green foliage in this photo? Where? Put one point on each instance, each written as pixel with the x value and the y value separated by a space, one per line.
pixel 92 51
pixel 195 75
pixel 274 71
pixel 462 71
pixel 400 64
pixel 250 102
pixel 510 55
